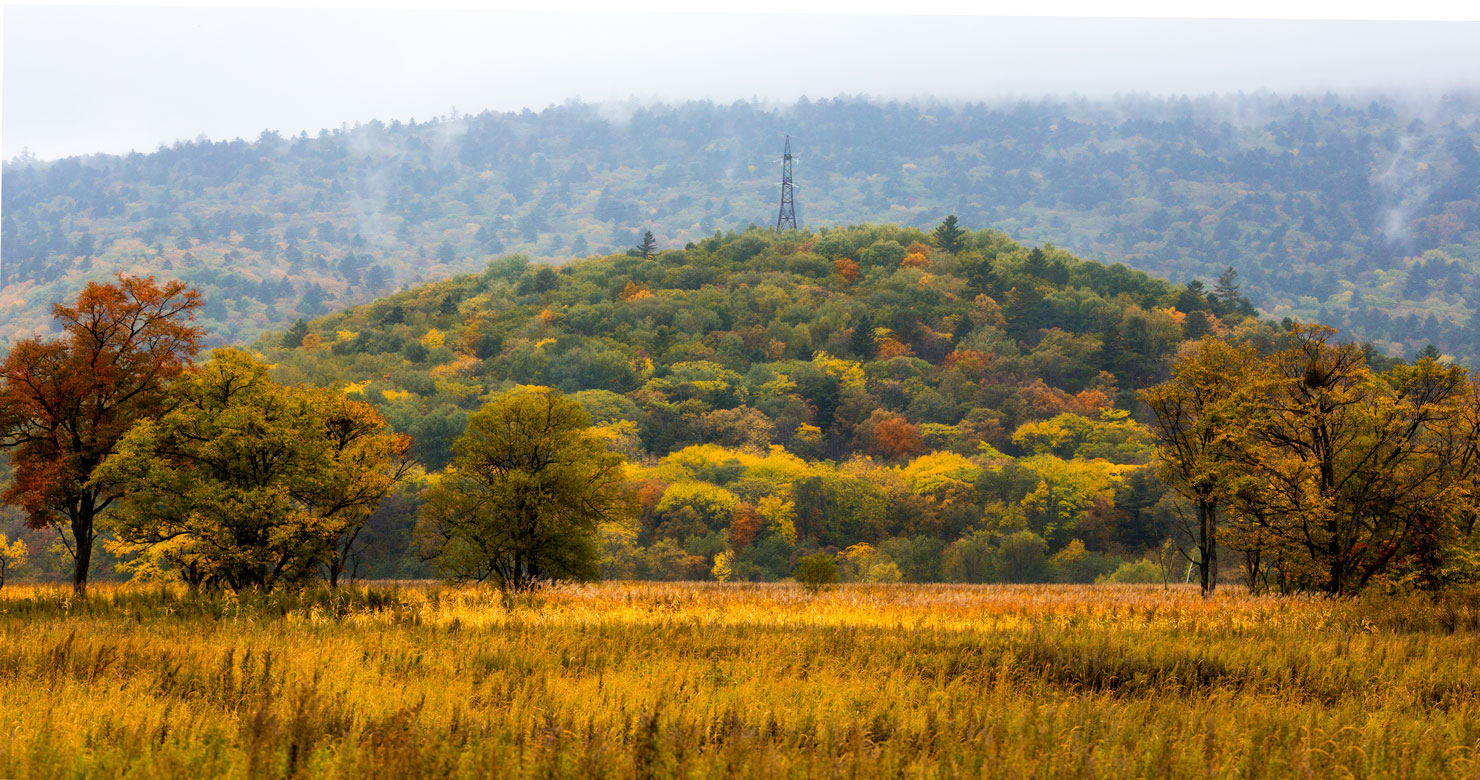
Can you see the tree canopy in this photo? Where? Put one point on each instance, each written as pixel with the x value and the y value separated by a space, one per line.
pixel 1358 213
pixel 1332 475
pixel 521 502
pixel 872 378
pixel 245 483
pixel 66 402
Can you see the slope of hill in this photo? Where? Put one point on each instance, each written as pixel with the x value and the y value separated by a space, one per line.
pixel 784 392
pixel 1358 213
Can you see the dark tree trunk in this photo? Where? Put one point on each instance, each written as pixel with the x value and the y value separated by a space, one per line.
pixel 82 536
pixel 1253 571
pixel 1207 515
pixel 1336 572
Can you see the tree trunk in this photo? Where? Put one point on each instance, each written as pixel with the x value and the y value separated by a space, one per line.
pixel 1208 546
pixel 1336 571
pixel 1252 560
pixel 82 536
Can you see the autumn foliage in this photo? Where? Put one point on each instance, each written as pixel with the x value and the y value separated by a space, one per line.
pixel 892 436
pixel 66 402
pixel 246 483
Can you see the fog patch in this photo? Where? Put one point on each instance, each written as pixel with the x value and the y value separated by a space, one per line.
pixel 380 167
pixel 1415 171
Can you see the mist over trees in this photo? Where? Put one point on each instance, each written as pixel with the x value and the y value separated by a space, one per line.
pixel 1357 213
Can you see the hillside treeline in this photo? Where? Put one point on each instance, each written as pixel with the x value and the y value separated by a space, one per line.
pixel 1357 213
pixel 874 403
pixel 921 399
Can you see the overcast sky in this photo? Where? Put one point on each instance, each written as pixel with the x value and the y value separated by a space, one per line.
pixel 112 79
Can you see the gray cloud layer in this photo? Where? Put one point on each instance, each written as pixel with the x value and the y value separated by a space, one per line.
pixel 81 80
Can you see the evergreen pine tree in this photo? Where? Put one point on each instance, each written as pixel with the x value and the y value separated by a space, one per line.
pixel 293 338
pixel 1021 311
pixel 1037 264
pixel 861 342
pixel 1226 292
pixel 649 245
pixel 979 273
pixel 948 235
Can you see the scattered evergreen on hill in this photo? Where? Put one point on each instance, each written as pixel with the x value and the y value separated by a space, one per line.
pixel 935 414
pixel 1359 214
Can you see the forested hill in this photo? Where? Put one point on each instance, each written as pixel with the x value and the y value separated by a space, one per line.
pixel 822 329
pixel 1361 214
pixel 917 383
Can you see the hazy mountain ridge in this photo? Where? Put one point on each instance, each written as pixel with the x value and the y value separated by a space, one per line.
pixel 1360 213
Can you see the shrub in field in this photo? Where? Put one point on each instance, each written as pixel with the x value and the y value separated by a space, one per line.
pixel 855 562
pixel 722 570
pixel 1075 564
pixel 917 557
pixel 817 571
pixel 768 559
pixel 970 559
pixel 887 571
pixel 1023 557
pixel 1142 571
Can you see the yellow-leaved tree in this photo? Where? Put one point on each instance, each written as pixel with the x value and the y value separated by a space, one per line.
pixel 247 483
pixel 1202 417
pixel 12 557
pixel 1363 475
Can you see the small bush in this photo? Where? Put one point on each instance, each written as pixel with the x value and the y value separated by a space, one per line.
pixel 884 572
pixel 816 572
pixel 1024 558
pixel 1142 571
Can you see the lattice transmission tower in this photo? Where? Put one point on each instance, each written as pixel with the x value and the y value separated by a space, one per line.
pixel 786 218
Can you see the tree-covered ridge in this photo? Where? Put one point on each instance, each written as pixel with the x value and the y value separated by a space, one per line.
pixel 779 393
pixel 816 329
pixel 1359 214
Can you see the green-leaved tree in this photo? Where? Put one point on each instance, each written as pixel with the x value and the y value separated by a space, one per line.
pixel 529 485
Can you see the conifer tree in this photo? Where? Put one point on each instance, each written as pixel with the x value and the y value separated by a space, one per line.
pixel 649 246
pixel 948 235
pixel 293 338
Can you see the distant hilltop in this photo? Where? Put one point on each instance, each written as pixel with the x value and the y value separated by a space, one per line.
pixel 1357 213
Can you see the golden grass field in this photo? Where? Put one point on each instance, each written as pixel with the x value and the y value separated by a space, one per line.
pixel 718 681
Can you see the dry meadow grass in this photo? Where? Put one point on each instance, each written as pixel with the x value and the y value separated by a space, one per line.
pixel 708 680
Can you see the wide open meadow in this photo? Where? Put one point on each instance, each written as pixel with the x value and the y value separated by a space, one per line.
pixel 724 680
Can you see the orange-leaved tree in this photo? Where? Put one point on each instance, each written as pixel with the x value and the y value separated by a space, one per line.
pixel 65 402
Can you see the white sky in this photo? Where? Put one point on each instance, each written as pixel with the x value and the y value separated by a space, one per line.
pixel 80 79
